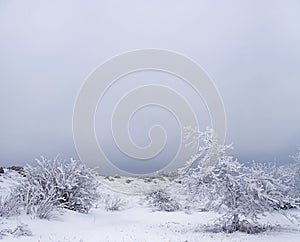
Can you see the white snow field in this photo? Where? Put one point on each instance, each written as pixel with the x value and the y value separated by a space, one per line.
pixel 135 222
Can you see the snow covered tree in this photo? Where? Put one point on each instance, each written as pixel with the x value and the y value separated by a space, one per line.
pixel 220 183
pixel 209 171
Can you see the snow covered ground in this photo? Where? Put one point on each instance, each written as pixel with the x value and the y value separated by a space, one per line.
pixel 135 222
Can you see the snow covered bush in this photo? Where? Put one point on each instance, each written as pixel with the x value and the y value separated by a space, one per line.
pixel 256 190
pixel 231 224
pixel 20 230
pixel 295 167
pixel 113 202
pixel 9 206
pixel 57 184
pixel 264 182
pixel 290 176
pixel 35 201
pixel 215 181
pixel 161 201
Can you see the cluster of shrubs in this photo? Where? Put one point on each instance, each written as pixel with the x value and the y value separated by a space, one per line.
pixel 45 189
pixel 240 193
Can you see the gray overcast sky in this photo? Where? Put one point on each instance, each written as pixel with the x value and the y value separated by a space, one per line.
pixel 250 48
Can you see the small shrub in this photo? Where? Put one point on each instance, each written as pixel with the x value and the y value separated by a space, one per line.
pixel 161 201
pixel 9 206
pixel 20 230
pixel 233 224
pixel 113 203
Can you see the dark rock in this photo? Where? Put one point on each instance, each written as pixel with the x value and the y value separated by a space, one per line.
pixel 109 178
pixel 148 179
pixel 1 170
pixel 18 169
